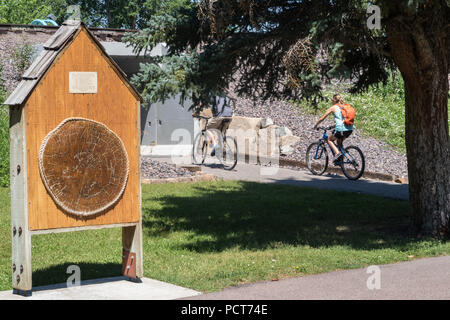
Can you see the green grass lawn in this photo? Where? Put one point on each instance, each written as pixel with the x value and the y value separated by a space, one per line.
pixel 208 236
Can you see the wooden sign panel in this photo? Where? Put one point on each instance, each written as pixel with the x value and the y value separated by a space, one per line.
pixel 83 82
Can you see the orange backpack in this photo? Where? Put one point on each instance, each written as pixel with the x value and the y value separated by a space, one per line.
pixel 348 113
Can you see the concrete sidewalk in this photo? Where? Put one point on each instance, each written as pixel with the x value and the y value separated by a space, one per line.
pixel 117 288
pixel 422 279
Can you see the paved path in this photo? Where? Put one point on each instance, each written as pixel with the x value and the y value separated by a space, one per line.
pixel 304 178
pixel 419 279
pixel 248 172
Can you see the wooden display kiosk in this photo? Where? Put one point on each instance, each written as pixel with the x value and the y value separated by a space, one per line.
pixel 75 150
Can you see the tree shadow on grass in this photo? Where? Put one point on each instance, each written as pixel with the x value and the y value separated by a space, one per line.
pixel 58 274
pixel 258 216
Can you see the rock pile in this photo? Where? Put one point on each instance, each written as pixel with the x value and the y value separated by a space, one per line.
pixel 260 137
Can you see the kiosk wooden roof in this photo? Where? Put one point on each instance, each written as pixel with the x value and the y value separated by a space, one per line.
pixel 52 49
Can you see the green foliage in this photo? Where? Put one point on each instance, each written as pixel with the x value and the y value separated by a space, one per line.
pixel 25 11
pixel 2 88
pixel 159 83
pixel 178 72
pixel 22 57
pixel 130 14
pixel 4 136
pixel 4 146
pixel 248 43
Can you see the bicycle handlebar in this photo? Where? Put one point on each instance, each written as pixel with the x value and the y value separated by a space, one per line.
pixel 326 128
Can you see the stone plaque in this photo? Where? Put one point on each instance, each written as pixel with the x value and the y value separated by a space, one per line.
pixel 82 82
pixel 84 166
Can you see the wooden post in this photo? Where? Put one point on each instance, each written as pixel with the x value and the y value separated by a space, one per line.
pixel 132 264
pixel 21 236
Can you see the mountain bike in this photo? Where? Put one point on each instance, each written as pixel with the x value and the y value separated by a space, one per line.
pixel 352 161
pixel 226 151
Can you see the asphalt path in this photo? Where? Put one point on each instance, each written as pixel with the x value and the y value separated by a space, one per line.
pixel 302 178
pixel 421 279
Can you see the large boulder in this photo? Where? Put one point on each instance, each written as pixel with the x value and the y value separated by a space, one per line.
pixel 266 122
pixel 260 138
pixel 245 123
pixel 247 142
pixel 288 140
pixel 286 150
pixel 284 131
pixel 287 144
pixel 268 142
pixel 245 130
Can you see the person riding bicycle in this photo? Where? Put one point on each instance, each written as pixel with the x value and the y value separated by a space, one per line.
pixel 341 130
pixel 216 122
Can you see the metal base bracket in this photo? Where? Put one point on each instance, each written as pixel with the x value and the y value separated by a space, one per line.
pixel 129 264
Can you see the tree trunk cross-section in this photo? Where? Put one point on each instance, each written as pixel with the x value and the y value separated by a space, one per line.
pixel 84 166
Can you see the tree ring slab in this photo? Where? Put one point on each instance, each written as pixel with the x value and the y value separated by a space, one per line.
pixel 84 166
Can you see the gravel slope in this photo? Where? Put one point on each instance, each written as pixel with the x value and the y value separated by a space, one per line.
pixel 154 169
pixel 380 157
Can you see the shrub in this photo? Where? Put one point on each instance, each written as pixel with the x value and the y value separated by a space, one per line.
pixel 22 57
pixel 4 146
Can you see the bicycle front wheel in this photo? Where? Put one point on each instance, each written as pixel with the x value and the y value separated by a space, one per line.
pixel 353 163
pixel 229 155
pixel 199 149
pixel 317 158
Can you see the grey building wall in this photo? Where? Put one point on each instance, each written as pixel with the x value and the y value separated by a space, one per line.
pixel 159 121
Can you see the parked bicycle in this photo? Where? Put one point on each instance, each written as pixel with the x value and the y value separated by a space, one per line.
pixel 351 161
pixel 226 150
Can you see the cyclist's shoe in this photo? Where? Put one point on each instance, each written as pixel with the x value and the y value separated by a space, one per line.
pixel 213 152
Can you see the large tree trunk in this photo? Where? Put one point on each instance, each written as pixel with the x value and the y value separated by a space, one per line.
pixel 427 145
pixel 421 54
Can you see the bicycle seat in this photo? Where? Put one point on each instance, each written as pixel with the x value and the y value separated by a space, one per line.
pixel 202 117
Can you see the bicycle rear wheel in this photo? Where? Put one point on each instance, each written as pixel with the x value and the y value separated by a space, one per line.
pixel 229 154
pixel 199 149
pixel 353 163
pixel 317 158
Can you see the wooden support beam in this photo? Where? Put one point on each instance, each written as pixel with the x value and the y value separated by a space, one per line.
pixel 21 236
